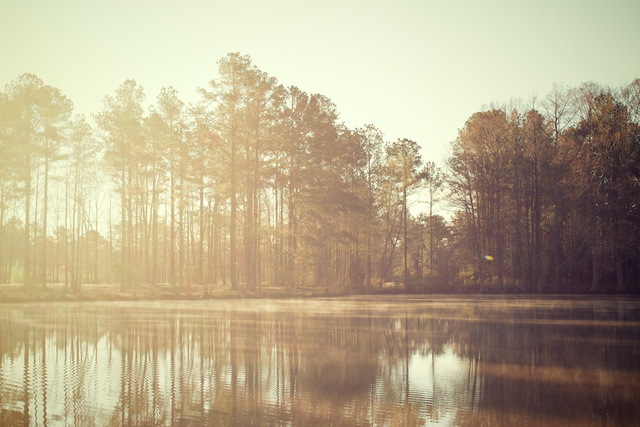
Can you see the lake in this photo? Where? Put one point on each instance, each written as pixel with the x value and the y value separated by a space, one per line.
pixel 383 360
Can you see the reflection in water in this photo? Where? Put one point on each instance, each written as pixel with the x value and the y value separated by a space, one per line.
pixel 353 361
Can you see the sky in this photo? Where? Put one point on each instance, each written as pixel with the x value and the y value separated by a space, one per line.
pixel 416 69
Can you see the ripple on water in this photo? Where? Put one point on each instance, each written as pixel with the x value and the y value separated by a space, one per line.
pixel 343 362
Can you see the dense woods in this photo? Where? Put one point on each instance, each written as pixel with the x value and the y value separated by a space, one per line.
pixel 549 196
pixel 261 184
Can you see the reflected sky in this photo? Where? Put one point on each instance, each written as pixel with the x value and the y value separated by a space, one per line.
pixel 345 361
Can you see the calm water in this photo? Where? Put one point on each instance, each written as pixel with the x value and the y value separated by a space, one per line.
pixel 349 361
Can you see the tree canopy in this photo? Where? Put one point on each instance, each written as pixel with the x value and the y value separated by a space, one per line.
pixel 261 184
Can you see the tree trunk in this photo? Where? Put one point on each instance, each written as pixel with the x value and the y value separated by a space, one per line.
pixel 66 233
pixel 537 237
pixel 154 231
pixel 557 284
pixel 95 247
pixel 44 221
pixel 248 222
pixel 202 234
pixel 172 225
pixel 619 274
pixel 404 221
pixel 27 220
pixel 499 235
pixel 2 241
pixel 233 267
pixel 595 252
pixel 431 236
pixel 292 241
pixel 123 228
pixel 369 232
pixel 475 233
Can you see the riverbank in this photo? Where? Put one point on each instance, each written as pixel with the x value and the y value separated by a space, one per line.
pixel 17 293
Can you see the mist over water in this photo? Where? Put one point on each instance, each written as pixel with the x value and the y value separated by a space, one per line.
pixel 345 361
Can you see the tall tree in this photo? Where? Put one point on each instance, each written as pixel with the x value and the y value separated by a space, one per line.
pixel 434 179
pixel 479 168
pixel 9 160
pixel 55 112
pixel 172 124
pixel 24 101
pixel 121 123
pixel 537 151
pixel 607 144
pixel 228 100
pixel 372 142
pixel 404 162
pixel 82 152
pixel 295 145
pixel 263 102
pixel 559 108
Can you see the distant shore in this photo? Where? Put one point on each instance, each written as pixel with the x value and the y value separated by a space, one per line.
pixel 17 293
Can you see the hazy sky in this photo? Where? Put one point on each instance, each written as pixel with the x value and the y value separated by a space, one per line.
pixel 415 69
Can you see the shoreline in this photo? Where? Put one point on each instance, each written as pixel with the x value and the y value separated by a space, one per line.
pixel 17 293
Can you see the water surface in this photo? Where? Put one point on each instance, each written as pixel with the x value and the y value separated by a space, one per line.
pixel 346 361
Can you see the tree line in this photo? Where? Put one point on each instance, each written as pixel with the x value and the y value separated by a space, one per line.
pixel 548 196
pixel 261 184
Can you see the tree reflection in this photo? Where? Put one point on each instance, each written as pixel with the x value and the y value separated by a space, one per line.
pixel 491 362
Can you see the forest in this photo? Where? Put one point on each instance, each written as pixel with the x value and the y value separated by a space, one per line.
pixel 260 184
